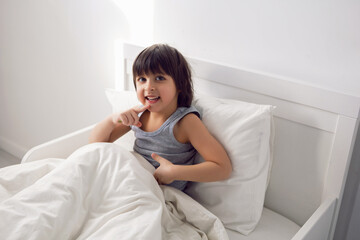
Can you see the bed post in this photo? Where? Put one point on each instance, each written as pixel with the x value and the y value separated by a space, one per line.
pixel 343 147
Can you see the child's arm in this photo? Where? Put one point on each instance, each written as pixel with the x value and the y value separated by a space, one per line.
pixel 217 165
pixel 116 125
pixel 107 131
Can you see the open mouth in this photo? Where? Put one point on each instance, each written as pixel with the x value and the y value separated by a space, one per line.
pixel 152 100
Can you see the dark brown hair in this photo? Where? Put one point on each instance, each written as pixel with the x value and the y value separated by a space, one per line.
pixel 161 58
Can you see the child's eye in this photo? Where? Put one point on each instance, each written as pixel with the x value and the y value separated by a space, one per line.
pixel 159 78
pixel 141 79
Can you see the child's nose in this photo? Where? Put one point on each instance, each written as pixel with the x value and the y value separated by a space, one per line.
pixel 150 86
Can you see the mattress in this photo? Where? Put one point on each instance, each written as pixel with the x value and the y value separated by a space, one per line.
pixel 272 226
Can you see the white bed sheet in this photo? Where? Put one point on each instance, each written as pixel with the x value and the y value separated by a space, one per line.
pixel 101 191
pixel 272 226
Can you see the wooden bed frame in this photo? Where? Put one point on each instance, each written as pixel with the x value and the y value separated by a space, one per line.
pixel 315 134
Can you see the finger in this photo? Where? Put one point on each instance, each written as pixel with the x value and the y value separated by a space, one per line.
pixel 157 158
pixel 141 109
pixel 136 119
pixel 132 117
pixel 124 119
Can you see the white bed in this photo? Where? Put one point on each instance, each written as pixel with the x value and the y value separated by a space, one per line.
pixel 315 133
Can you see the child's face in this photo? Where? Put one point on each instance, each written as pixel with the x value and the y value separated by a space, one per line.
pixel 157 90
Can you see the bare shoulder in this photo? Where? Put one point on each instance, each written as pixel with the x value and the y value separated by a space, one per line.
pixel 189 120
pixel 188 126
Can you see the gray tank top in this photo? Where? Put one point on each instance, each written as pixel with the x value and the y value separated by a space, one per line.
pixel 163 142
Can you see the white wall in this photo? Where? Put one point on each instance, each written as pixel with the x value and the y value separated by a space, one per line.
pixel 56 58
pixel 313 41
pixel 317 42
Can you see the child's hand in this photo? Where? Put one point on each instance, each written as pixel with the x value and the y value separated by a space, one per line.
pixel 164 173
pixel 130 117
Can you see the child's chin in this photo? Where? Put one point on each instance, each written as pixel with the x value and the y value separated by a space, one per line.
pixel 153 109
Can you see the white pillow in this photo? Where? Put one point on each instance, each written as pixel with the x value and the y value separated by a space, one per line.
pixel 246 132
pixel 121 100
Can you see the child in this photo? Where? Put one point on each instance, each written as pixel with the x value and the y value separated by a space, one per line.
pixel 167 128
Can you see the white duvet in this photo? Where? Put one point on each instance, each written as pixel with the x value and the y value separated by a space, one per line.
pixel 102 191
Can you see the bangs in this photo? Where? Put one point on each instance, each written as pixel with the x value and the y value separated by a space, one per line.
pixel 153 60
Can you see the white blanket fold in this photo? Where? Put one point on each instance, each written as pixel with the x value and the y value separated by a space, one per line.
pixel 101 191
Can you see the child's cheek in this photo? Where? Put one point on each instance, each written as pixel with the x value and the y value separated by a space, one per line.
pixel 140 95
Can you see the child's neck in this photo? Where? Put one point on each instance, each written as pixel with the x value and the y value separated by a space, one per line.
pixel 154 120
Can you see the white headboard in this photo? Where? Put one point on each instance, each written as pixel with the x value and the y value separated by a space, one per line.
pixel 315 130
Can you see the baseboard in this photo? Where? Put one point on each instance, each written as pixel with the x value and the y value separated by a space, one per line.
pixel 12 148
